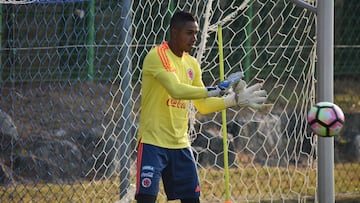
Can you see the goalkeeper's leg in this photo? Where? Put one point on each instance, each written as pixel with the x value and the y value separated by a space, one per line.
pixel 149 168
pixel 143 198
pixel 192 200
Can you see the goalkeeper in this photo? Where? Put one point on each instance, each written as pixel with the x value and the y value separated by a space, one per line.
pixel 170 79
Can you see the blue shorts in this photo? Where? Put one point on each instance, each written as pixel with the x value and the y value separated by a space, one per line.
pixel 176 167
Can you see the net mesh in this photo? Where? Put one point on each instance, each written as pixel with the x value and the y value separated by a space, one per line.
pixel 17 1
pixel 70 96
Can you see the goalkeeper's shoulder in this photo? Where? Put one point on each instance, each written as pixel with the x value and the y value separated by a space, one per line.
pixel 152 52
pixel 152 57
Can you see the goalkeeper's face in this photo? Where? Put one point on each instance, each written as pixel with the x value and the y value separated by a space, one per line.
pixel 186 36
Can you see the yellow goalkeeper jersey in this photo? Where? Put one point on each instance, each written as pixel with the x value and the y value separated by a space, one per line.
pixel 169 82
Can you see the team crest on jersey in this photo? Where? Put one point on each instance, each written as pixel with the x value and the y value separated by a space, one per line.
pixel 190 73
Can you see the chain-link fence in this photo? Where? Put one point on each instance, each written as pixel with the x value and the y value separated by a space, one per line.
pixel 69 98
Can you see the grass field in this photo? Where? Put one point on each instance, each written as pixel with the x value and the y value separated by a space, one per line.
pixel 262 184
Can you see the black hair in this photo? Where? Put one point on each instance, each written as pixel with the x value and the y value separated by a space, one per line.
pixel 180 18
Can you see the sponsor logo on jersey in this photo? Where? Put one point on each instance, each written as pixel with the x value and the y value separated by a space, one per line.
pixel 177 103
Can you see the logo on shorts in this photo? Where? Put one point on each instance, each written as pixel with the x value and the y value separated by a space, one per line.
pixel 148 168
pixel 146 182
pixel 147 174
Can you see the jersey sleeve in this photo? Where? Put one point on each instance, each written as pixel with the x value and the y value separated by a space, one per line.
pixel 169 80
pixel 179 90
pixel 209 104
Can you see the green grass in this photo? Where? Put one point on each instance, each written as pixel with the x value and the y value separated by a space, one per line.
pixel 253 182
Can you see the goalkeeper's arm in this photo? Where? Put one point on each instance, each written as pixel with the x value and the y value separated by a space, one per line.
pixel 179 90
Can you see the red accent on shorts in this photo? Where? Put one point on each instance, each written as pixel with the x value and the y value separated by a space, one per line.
pixel 138 166
pixel 197 189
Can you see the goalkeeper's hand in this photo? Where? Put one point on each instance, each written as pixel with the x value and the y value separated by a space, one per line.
pixel 244 96
pixel 225 86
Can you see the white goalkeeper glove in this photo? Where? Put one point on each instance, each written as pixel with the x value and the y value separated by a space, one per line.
pixel 224 87
pixel 244 96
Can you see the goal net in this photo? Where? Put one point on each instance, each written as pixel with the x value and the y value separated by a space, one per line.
pixel 70 84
